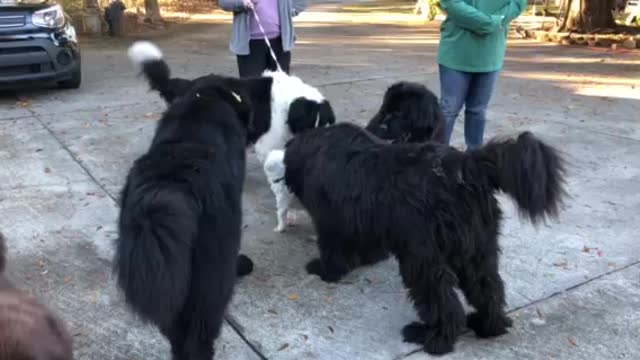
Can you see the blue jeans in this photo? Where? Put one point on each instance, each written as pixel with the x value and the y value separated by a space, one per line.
pixel 473 90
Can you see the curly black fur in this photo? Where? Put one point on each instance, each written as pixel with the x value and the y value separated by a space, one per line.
pixel 180 221
pixel 432 207
pixel 409 113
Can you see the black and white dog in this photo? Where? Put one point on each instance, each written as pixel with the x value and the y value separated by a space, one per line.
pixel 180 222
pixel 431 206
pixel 283 104
pixel 410 113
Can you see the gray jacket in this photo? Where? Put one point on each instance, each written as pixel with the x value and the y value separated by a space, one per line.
pixel 240 34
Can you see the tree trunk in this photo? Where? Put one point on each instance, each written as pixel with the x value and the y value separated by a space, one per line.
pixel 92 23
pixel 588 15
pixel 152 11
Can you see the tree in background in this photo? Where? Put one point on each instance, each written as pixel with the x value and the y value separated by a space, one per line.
pixel 587 15
pixel 152 11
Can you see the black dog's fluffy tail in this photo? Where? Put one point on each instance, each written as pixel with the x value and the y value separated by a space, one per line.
pixel 3 252
pixel 149 58
pixel 530 171
pixel 153 256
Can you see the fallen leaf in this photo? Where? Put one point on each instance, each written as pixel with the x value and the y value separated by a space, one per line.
pixel 305 337
pixel 284 346
pixel 572 341
pixel 587 249
pixel 330 328
pixel 563 263
pixel 23 103
pixel 271 311
pixel 99 228
pixel 67 279
pixel 94 297
pixel 293 297
pixel 38 150
pixel 600 253
pixel 47 170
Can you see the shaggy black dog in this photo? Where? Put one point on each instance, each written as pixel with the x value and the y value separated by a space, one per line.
pixel 28 329
pixel 409 113
pixel 180 221
pixel 283 104
pixel 431 206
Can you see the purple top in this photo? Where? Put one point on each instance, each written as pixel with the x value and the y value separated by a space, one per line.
pixel 267 11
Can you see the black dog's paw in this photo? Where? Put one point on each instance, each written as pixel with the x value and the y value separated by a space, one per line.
pixel 437 344
pixel 316 267
pixel 244 265
pixel 486 327
pixel 415 333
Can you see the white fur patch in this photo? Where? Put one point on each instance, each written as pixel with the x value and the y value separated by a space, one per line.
pixel 284 90
pixel 143 51
pixel 274 165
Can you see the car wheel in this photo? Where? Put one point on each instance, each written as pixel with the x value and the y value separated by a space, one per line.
pixel 74 81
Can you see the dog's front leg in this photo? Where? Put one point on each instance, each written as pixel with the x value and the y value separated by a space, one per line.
pixel 334 260
pixel 283 201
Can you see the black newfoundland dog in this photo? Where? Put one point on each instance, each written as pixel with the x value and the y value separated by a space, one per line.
pixel 180 222
pixel 409 113
pixel 431 206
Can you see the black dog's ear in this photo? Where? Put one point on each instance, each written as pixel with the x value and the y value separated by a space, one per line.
pixel 326 116
pixel 303 114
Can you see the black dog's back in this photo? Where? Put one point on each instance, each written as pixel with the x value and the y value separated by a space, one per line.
pixel 180 222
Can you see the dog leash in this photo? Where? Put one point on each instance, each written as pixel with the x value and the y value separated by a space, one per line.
pixel 266 39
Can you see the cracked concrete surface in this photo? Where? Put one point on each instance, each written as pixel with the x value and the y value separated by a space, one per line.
pixel 572 286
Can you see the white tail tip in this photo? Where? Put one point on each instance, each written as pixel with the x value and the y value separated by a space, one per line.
pixel 143 51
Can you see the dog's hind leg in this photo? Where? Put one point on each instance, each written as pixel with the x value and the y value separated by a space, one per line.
pixel 482 285
pixel 431 290
pixel 175 336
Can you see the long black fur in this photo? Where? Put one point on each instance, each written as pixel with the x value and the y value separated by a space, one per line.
pixel 431 206
pixel 180 221
pixel 409 113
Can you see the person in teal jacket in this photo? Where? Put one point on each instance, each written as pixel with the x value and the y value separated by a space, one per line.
pixel 473 41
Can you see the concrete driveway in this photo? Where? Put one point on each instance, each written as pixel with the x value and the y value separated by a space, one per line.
pixel 573 286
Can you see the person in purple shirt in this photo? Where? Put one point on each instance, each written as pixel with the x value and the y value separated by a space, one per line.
pixel 248 41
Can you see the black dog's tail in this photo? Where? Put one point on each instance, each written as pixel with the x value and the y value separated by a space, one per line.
pixel 149 58
pixel 3 252
pixel 530 171
pixel 153 256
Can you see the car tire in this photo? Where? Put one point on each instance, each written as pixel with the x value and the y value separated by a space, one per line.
pixel 75 80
